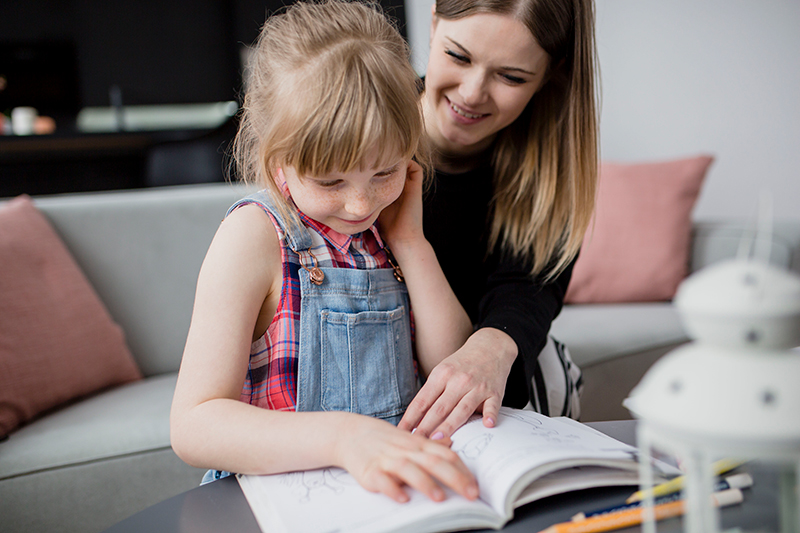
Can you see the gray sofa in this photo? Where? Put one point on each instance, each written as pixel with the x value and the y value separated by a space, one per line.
pixel 93 463
pixel 615 344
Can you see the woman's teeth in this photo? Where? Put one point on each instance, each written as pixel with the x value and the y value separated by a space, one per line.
pixel 463 113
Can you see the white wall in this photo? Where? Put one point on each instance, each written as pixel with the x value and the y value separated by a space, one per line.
pixel 681 77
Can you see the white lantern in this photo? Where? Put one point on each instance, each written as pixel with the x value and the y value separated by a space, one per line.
pixel 733 392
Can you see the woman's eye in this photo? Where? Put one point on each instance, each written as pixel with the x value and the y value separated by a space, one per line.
pixel 513 79
pixel 456 56
pixel 328 184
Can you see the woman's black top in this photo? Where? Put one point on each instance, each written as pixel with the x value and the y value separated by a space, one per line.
pixel 496 290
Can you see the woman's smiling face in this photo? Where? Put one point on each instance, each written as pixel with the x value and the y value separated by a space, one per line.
pixel 482 72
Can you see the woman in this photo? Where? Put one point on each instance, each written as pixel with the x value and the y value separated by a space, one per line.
pixel 510 110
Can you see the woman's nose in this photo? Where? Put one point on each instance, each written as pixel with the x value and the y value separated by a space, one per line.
pixel 473 89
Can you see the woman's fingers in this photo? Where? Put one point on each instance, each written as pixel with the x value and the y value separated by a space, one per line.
pixel 491 410
pixel 414 173
pixel 441 416
pixel 457 416
pixel 421 404
pixel 471 380
pixel 458 395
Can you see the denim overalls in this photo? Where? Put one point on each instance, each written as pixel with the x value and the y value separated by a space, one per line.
pixel 355 350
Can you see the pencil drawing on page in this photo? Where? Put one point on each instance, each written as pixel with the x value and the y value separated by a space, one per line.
pixel 305 484
pixel 474 447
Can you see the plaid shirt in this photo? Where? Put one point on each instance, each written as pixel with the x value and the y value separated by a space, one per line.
pixel 272 374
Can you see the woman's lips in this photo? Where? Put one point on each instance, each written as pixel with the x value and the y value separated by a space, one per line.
pixel 462 115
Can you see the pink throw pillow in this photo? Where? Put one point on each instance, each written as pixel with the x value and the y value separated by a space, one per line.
pixel 637 248
pixel 57 340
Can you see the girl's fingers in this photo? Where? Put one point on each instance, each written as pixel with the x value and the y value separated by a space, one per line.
pixel 394 459
pixel 410 472
pixel 445 465
pixel 434 464
pixel 388 485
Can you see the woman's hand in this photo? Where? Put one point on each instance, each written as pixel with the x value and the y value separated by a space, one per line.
pixel 384 459
pixel 473 379
pixel 401 222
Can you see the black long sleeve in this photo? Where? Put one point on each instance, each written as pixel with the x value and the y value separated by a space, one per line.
pixel 496 290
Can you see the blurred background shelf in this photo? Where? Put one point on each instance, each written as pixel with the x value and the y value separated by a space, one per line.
pixel 173 69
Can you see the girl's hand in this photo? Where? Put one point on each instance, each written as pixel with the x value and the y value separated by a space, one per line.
pixel 383 459
pixel 473 379
pixel 401 222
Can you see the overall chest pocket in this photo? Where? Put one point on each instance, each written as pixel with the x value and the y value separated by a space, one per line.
pixel 366 362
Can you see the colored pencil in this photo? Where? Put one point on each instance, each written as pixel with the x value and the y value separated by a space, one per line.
pixel 632 517
pixel 736 481
pixel 676 484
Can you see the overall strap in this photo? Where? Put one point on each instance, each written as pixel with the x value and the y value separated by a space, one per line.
pixel 297 235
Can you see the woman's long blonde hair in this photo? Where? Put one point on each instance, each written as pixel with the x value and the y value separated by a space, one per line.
pixel 546 162
pixel 328 85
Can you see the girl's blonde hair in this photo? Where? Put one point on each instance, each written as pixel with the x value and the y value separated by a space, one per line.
pixel 546 162
pixel 329 86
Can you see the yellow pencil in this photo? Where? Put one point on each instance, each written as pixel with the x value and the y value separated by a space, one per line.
pixel 676 484
pixel 632 517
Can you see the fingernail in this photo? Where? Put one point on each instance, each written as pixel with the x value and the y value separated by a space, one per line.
pixel 437 436
pixel 472 492
pixel 490 422
pixel 413 431
pixel 438 495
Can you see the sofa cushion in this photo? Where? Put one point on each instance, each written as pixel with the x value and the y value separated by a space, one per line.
pixel 637 248
pixel 57 340
pixel 595 333
pixel 143 249
pixel 130 419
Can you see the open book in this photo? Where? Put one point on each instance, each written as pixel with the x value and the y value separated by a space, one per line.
pixel 527 456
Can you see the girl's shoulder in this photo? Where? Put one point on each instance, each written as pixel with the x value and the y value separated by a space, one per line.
pixel 247 236
pixel 243 264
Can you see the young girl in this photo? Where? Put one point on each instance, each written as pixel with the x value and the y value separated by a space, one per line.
pixel 301 324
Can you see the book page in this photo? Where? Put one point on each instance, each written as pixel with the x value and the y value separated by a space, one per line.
pixel 506 459
pixel 525 445
pixel 330 500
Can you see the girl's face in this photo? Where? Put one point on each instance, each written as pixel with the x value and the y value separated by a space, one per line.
pixel 482 72
pixel 348 202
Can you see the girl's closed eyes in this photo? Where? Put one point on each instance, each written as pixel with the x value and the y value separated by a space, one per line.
pixel 380 176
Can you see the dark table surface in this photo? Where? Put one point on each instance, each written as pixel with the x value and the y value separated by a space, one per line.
pixel 222 507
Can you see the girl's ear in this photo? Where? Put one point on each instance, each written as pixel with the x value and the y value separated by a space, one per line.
pixel 278 178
